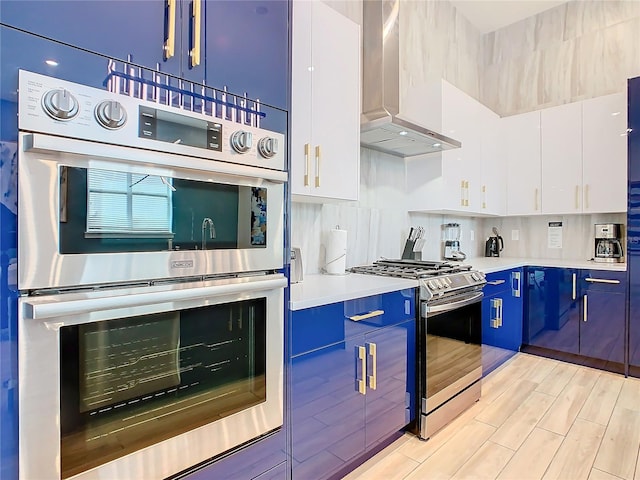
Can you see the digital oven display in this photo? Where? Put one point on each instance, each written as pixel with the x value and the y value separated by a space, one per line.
pixel 179 129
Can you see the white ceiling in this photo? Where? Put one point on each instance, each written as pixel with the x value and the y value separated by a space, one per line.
pixel 490 15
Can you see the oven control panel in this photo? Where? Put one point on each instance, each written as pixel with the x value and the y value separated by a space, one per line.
pixel 443 284
pixel 53 106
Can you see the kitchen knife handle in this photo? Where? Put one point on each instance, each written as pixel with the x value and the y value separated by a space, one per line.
pixel 373 378
pixel 307 149
pixel 197 31
pixel 170 41
pixel 362 383
pixel 317 166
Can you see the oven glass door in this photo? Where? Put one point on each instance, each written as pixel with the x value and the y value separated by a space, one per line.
pixel 127 383
pixel 453 351
pixel 110 214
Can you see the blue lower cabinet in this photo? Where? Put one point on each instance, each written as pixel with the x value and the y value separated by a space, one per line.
pixel 577 312
pixel 602 319
pixel 501 317
pixel 552 309
pixel 351 395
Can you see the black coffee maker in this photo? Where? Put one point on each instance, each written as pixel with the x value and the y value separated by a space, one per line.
pixel 494 245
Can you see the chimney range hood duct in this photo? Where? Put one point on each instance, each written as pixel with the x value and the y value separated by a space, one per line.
pixel 381 127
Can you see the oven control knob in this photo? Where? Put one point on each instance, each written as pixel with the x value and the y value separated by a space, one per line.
pixel 432 285
pixel 111 114
pixel 438 283
pixel 268 147
pixel 241 141
pixel 60 104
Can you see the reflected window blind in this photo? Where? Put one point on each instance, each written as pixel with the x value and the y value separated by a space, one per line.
pixel 128 203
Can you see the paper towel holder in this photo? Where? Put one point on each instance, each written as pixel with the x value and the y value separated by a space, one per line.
pixel 336 257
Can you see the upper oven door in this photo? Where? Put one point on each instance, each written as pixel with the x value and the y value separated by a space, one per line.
pixel 93 213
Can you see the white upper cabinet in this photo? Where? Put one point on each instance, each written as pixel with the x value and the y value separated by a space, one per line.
pixel 520 149
pixel 452 181
pixel 562 159
pixel 325 107
pixel 604 154
pixel 493 187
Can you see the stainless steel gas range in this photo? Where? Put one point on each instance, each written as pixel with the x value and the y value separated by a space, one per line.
pixel 449 336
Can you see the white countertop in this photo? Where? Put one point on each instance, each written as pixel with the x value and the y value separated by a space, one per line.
pixel 495 264
pixel 317 290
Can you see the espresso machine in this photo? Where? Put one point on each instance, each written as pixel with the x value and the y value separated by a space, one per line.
pixel 608 243
pixel 451 242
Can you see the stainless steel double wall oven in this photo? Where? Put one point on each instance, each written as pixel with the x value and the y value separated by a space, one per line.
pixel 152 299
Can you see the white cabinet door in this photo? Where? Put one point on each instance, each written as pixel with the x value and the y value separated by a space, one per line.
pixel 494 167
pixel 520 149
pixel 604 154
pixel 301 116
pixel 562 159
pixel 325 111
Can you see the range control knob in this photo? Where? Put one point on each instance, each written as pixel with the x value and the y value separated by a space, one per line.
pixel 268 147
pixel 241 141
pixel 111 114
pixel 60 104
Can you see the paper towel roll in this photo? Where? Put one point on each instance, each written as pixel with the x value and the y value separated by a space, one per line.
pixel 336 256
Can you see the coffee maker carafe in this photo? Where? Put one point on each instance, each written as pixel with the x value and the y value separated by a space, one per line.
pixel 608 243
pixel 452 242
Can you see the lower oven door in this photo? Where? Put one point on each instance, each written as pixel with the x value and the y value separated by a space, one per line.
pixel 146 382
pixel 453 348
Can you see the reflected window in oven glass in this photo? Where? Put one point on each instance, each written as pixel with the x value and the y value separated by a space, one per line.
pixel 108 211
pixel 133 382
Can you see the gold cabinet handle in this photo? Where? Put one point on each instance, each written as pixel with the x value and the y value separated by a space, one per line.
pixel 362 383
pixel 602 280
pixel 484 196
pixel 466 200
pixel 194 53
pixel 170 40
pixel 495 304
pixel 573 289
pixel 364 316
pixel 586 196
pixel 535 200
pixel 317 166
pixel 307 149
pixel 496 282
pixel 577 197
pixel 374 365
pixel 584 309
pixel 499 312
pixel 462 193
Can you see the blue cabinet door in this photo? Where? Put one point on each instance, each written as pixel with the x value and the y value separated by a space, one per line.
pixel 603 317
pixel 116 29
pixel 633 224
pixel 247 48
pixel 327 409
pixel 553 309
pixel 389 405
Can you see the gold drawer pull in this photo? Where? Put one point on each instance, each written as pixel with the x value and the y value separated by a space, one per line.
pixel 375 313
pixel 602 280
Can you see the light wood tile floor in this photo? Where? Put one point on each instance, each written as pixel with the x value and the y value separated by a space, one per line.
pixel 537 419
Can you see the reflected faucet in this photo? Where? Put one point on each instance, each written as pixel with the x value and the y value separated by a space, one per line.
pixel 212 231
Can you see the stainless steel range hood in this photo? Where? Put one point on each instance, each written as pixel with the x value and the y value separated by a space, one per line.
pixel 382 127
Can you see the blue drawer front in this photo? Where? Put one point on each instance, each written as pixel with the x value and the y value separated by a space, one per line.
pixel 603 281
pixel 504 280
pixel 314 328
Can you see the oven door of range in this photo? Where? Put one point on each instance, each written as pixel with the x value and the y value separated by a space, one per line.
pixel 452 352
pixel 146 382
pixel 94 213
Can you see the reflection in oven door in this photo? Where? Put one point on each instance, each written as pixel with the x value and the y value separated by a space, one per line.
pixel 453 364
pixel 132 382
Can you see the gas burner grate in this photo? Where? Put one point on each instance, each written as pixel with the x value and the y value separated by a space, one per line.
pixel 414 269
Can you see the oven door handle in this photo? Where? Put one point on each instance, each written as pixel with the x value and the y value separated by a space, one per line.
pixel 39 142
pixel 453 305
pixel 56 306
